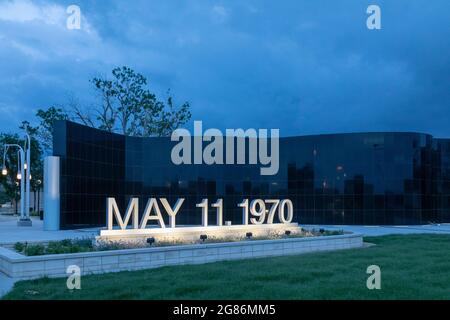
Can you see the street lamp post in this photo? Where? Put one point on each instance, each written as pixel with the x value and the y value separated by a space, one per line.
pixel 24 175
pixel 28 178
pixel 20 175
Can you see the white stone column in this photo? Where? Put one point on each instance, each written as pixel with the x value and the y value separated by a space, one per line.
pixel 51 194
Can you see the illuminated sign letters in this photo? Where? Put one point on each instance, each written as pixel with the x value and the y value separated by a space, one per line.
pixel 256 212
pixel 152 212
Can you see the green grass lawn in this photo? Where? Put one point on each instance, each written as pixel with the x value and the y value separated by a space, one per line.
pixel 412 267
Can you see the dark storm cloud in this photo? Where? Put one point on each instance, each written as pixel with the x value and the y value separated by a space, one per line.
pixel 301 66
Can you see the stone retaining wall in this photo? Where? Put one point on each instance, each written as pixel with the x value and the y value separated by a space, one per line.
pixel 19 266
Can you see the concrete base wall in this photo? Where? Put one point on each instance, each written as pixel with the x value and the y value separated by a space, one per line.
pixel 21 267
pixel 192 233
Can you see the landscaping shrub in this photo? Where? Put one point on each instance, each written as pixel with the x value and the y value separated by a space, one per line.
pixel 19 246
pixel 55 247
pixel 86 244
pixel 34 250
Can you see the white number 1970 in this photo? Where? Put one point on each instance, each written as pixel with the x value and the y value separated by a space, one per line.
pixel 261 209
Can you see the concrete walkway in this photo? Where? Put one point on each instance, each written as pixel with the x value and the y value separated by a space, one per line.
pixel 375 231
pixel 10 233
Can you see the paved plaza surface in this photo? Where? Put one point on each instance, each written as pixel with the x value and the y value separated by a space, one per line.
pixel 10 233
pixel 374 231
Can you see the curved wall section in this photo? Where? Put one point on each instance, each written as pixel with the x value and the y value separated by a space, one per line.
pixel 359 178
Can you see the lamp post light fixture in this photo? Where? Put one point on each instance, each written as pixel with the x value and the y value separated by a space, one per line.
pixel 4 170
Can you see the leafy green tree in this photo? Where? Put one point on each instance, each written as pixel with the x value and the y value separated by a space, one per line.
pixel 127 105
pixel 3 196
pixel 37 163
pixel 106 113
pixel 125 99
pixel 171 118
pixel 44 131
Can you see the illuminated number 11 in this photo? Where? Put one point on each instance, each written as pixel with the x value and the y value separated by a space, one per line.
pixel 219 207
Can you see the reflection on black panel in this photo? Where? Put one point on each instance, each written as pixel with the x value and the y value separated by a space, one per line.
pixel 361 178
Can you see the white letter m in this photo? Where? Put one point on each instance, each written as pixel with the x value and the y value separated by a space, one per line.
pixel 113 211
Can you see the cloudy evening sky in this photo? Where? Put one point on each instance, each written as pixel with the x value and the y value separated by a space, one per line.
pixel 305 67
